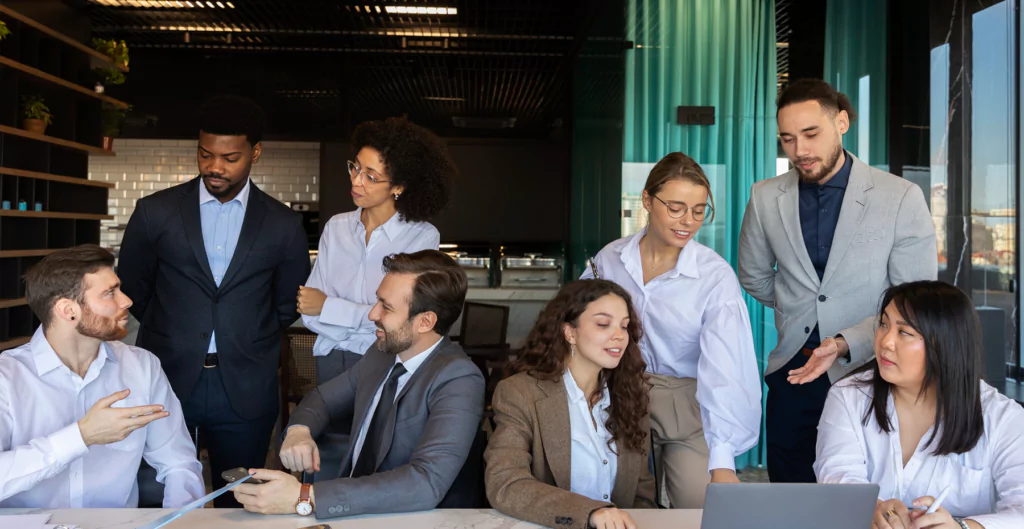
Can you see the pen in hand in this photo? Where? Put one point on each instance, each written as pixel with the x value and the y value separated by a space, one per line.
pixel 935 504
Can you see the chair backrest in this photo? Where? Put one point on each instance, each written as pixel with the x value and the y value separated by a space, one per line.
pixel 467 491
pixel 298 367
pixel 483 325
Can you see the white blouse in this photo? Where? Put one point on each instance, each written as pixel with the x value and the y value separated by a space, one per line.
pixel 348 270
pixel 987 482
pixel 696 325
pixel 594 463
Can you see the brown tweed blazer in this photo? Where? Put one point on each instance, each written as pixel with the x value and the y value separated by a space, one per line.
pixel 528 459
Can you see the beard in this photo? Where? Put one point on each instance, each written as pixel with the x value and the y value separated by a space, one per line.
pixel 397 340
pixel 101 327
pixel 826 168
pixel 226 190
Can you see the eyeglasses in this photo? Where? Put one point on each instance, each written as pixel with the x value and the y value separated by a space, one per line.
pixel 677 210
pixel 355 171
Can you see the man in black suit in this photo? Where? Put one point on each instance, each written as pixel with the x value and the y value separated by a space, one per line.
pixel 213 266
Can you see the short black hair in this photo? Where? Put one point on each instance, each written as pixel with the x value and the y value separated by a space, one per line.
pixel 61 275
pixel 228 115
pixel 440 286
pixel 945 318
pixel 829 98
pixel 415 159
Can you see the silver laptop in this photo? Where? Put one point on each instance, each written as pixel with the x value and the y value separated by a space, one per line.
pixel 788 506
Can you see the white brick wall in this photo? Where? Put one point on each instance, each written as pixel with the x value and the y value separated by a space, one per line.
pixel 289 171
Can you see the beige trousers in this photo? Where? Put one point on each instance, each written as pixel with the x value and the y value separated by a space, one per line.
pixel 680 451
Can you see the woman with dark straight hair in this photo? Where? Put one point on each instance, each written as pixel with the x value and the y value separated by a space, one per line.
pixel 570 444
pixel 920 422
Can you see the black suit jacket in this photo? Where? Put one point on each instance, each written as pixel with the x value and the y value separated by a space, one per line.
pixel 164 269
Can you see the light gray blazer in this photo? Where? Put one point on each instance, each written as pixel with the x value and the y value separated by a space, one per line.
pixel 885 236
pixel 425 442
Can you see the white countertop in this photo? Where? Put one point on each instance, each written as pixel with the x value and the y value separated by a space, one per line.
pixel 436 519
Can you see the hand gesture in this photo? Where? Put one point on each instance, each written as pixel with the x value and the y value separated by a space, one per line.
pixel 820 361
pixel 103 424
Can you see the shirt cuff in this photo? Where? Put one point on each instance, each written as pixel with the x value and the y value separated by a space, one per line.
pixel 722 455
pixel 68 444
pixel 182 487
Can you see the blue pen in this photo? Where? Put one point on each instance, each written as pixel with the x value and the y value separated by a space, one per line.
pixel 937 503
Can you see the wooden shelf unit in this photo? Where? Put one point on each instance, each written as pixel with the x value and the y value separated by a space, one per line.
pixel 49 169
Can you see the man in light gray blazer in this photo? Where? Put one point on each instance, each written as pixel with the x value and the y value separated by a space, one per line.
pixel 820 244
pixel 415 401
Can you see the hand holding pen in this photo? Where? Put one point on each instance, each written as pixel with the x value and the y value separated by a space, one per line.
pixel 934 516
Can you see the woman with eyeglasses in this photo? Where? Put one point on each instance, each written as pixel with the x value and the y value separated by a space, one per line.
pixel 920 421
pixel 401 177
pixel 697 341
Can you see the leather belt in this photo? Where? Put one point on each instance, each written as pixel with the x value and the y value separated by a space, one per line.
pixel 211 361
pixel 806 351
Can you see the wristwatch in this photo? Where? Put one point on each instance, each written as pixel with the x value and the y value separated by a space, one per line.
pixel 304 507
pixel 962 522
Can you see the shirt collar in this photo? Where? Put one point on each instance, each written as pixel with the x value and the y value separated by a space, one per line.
pixel 46 358
pixel 576 395
pixel 841 178
pixel 392 228
pixel 415 362
pixel 242 197
pixel 686 265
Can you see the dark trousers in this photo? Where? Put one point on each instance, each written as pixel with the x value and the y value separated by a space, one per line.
pixel 333 443
pixel 792 416
pixel 230 441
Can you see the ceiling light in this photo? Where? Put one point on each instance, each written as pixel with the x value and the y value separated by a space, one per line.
pixel 163 4
pixel 415 10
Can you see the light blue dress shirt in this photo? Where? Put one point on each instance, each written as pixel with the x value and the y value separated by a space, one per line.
pixel 221 225
pixel 348 270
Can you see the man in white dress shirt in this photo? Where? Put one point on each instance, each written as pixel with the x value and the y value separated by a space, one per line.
pixel 79 409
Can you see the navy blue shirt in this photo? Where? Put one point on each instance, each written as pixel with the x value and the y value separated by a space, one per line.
pixel 819 215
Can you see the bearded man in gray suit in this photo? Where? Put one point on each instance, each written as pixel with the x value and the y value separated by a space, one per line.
pixel 415 402
pixel 820 244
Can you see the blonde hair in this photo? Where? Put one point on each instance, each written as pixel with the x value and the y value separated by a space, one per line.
pixel 678 166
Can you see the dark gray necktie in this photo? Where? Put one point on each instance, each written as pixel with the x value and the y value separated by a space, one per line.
pixel 366 464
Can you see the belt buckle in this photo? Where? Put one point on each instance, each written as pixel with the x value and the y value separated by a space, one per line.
pixel 207 366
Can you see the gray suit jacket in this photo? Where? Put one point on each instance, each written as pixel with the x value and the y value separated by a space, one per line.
pixel 885 237
pixel 425 442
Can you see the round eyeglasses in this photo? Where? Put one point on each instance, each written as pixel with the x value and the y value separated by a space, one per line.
pixel 677 210
pixel 354 171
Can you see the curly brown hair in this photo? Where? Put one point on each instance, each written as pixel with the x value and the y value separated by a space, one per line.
pixel 546 352
pixel 415 159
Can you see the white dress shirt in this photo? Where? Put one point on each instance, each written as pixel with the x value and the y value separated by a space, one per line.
pixel 44 462
pixel 221 224
pixel 411 366
pixel 696 325
pixel 987 482
pixel 348 271
pixel 594 463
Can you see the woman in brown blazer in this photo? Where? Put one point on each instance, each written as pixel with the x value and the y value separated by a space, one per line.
pixel 570 444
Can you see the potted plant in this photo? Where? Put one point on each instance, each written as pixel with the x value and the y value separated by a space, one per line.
pixel 112 118
pixel 4 30
pixel 118 53
pixel 37 114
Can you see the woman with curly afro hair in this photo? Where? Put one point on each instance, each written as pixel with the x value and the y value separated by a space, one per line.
pixel 571 436
pixel 401 177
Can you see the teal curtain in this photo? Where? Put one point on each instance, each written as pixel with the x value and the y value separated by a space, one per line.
pixel 708 53
pixel 855 64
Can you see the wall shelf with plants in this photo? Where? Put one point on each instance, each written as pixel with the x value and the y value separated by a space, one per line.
pixel 52 120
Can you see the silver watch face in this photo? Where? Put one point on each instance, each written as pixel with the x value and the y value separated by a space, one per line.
pixel 303 508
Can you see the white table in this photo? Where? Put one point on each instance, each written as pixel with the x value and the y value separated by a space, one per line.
pixel 237 518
